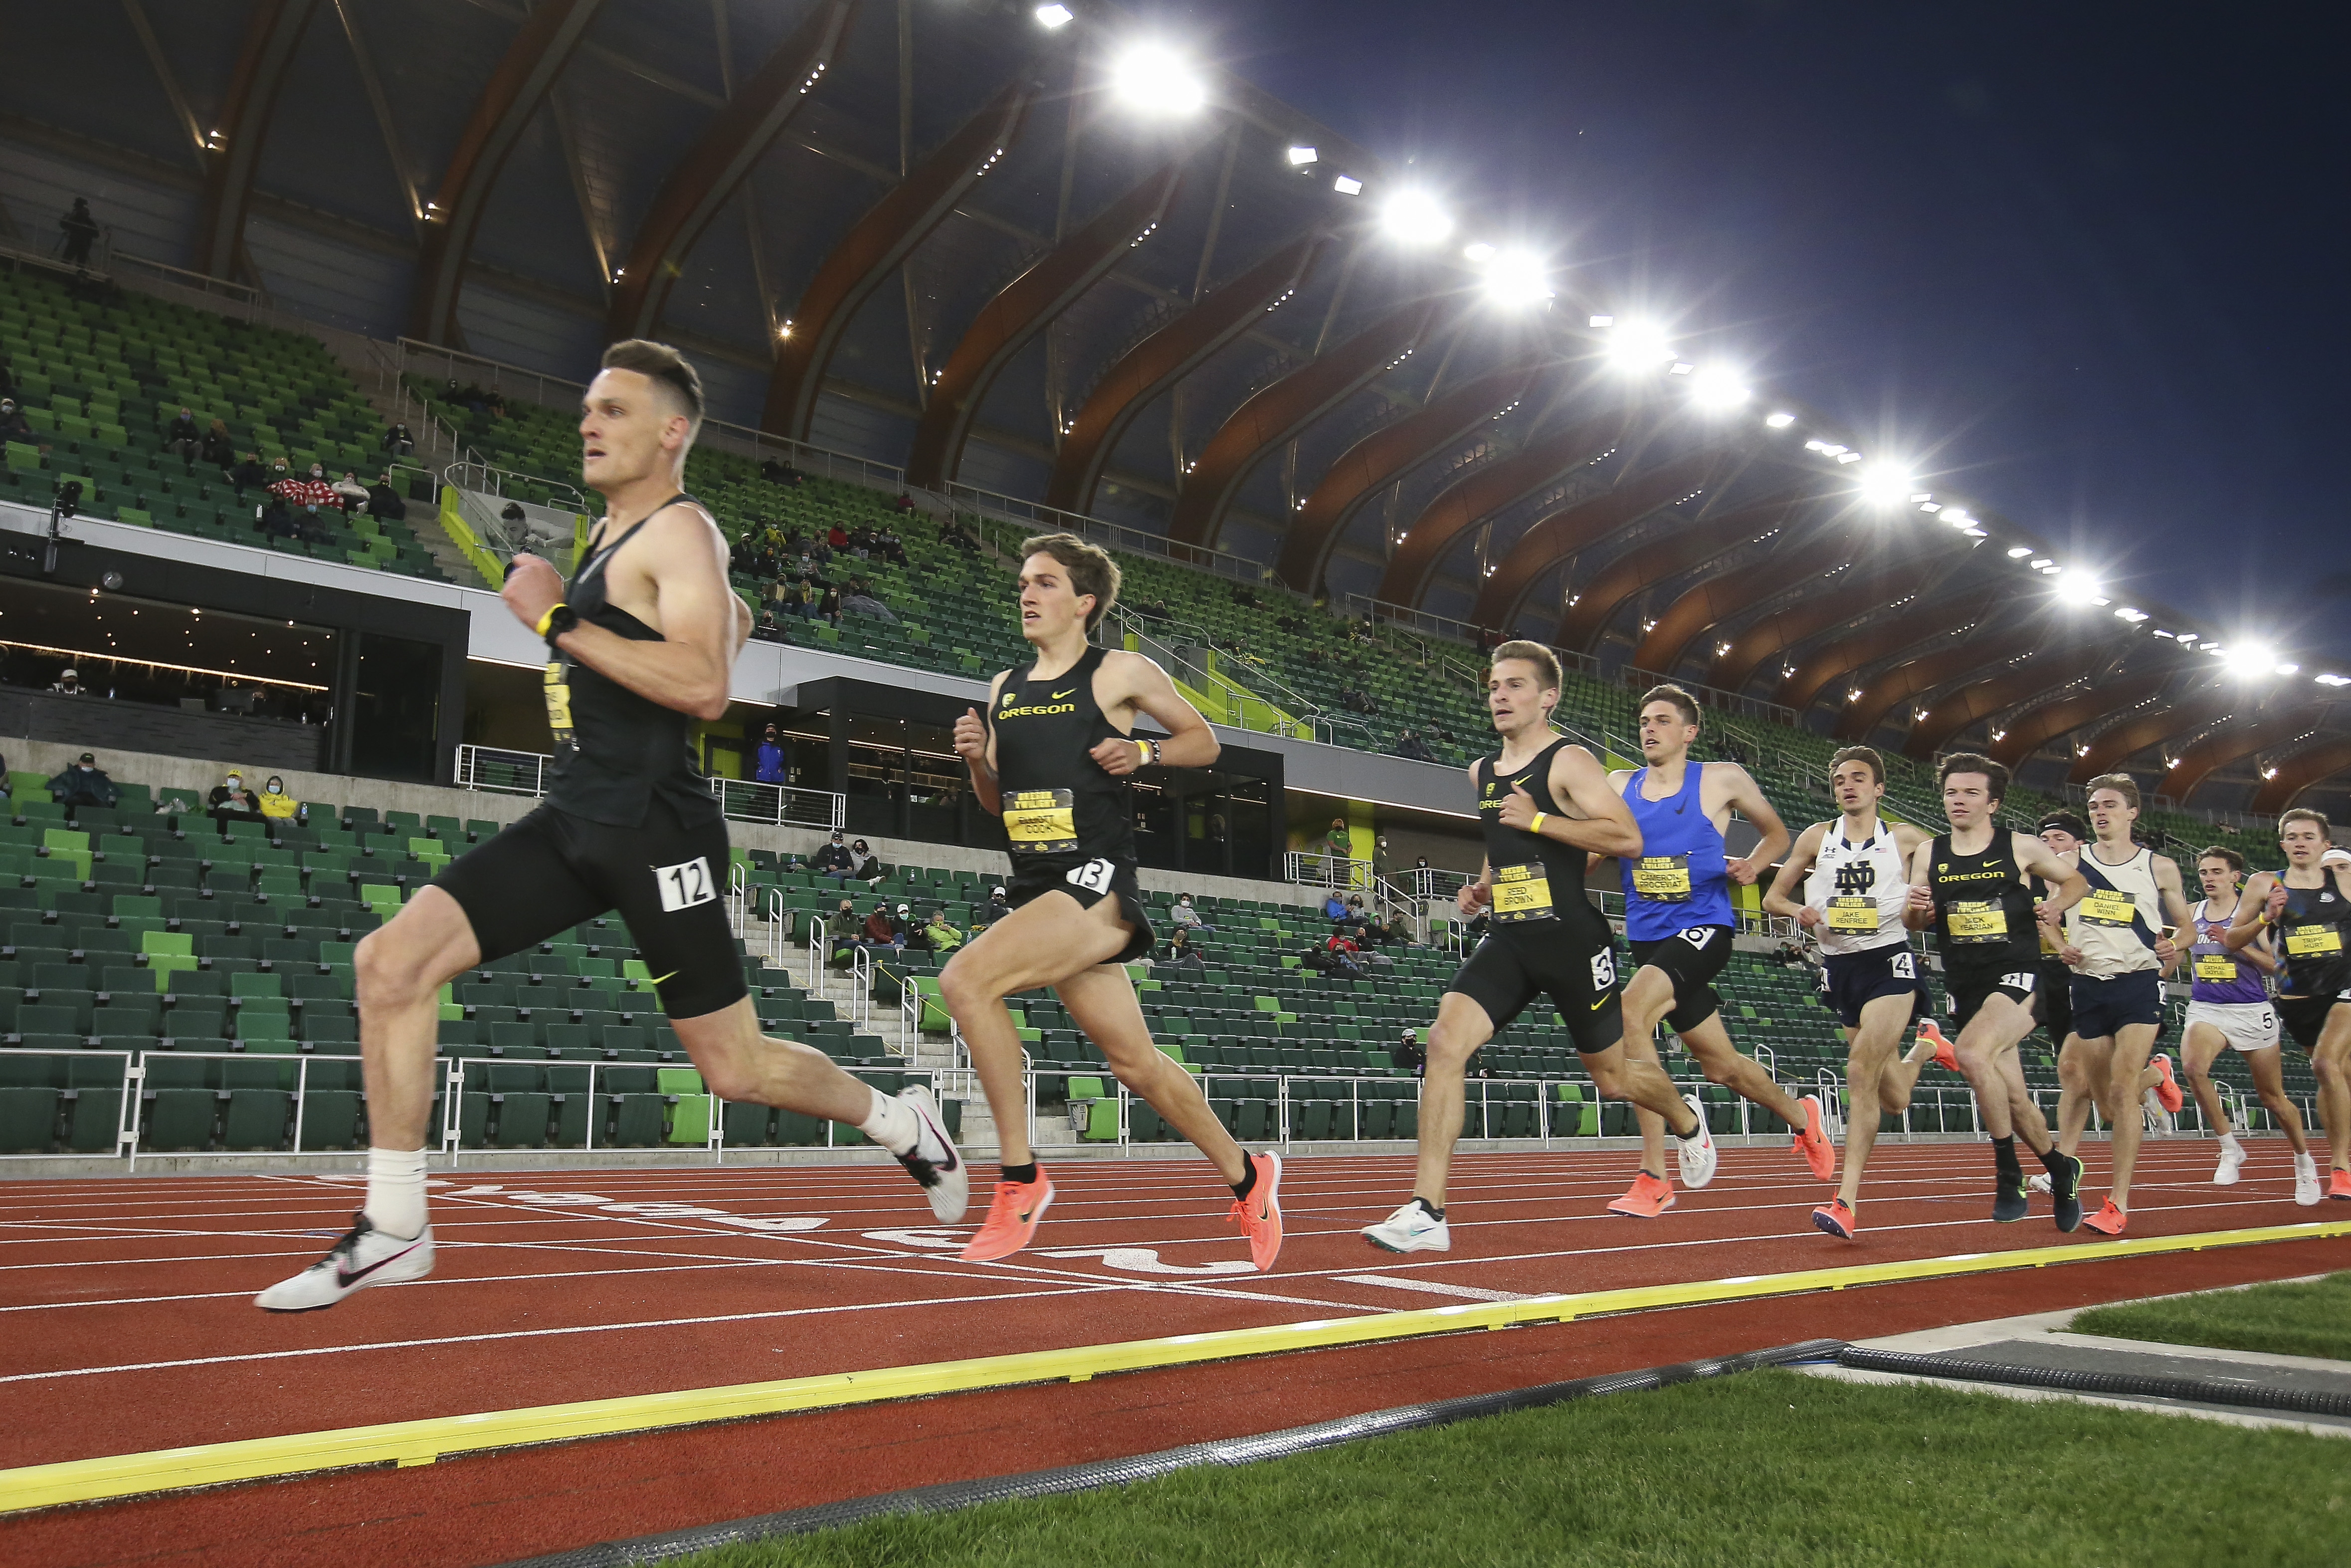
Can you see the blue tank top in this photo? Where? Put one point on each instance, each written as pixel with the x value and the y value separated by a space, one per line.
pixel 1677 880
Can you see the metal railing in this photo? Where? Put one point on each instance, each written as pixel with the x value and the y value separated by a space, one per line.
pixel 779 806
pixel 1325 870
pixel 497 771
pixel 473 473
pixel 1001 509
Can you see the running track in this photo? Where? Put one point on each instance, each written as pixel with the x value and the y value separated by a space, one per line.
pixel 126 1323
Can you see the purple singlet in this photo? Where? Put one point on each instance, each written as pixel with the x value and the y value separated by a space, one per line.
pixel 2221 975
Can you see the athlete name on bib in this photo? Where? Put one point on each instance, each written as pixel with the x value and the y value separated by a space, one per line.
pixel 2104 907
pixel 1977 920
pixel 1043 821
pixel 2218 967
pixel 1664 877
pixel 2310 941
pixel 556 686
pixel 1852 915
pixel 1522 893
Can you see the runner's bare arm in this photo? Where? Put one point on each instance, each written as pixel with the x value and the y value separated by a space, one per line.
pixel 1606 827
pixel 2174 910
pixel 974 742
pixel 1919 914
pixel 2252 911
pixel 1616 781
pixel 1779 899
pixel 1745 797
pixel 1474 896
pixel 1137 683
pixel 2038 860
pixel 686 561
pixel 2259 953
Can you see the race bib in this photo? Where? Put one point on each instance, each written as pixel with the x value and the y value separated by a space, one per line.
pixel 1853 916
pixel 1981 920
pixel 685 885
pixel 2219 967
pixel 556 688
pixel 1664 877
pixel 2104 907
pixel 1043 821
pixel 1522 893
pixel 2314 941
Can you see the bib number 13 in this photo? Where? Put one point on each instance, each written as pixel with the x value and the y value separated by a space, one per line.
pixel 685 885
pixel 1093 876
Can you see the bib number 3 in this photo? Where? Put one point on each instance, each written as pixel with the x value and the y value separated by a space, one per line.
pixel 685 885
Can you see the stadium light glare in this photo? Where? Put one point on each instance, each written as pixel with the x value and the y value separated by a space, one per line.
pixel 2289 669
pixel 1052 17
pixel 1516 277
pixel 2331 678
pixel 2130 615
pixel 2018 553
pixel 2043 564
pixel 1885 482
pixel 2249 660
pixel 1152 78
pixel 1637 345
pixel 1848 457
pixel 1477 252
pixel 1347 185
pixel 2079 586
pixel 1718 387
pixel 1780 421
pixel 1302 157
pixel 1973 532
pixel 1604 321
pixel 1414 218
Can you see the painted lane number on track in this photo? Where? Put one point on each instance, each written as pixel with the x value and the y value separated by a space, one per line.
pixel 603 1203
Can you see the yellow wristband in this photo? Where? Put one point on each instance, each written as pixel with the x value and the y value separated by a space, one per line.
pixel 1143 749
pixel 1536 825
pixel 548 618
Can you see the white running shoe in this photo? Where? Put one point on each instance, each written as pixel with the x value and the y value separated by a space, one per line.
pixel 1697 1153
pixel 1411 1229
pixel 933 1161
pixel 364 1257
pixel 2039 1182
pixel 2306 1189
pixel 2232 1155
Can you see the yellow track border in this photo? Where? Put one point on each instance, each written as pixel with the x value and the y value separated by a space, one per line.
pixel 423 1441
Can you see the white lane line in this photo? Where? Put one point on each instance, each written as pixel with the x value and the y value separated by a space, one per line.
pixel 1431 1287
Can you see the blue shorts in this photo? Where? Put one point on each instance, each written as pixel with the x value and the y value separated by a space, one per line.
pixel 2104 1007
pixel 1850 981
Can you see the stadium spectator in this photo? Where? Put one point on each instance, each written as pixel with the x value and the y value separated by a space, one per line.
pixel 905 502
pixel 249 475
pixel 1183 957
pixel 890 547
pixel 217 449
pixel 68 684
pixel 1412 748
pixel 862 867
pixel 351 491
pixel 861 599
pixel 767 630
pixel 791 599
pixel 1184 915
pixel 936 935
pixel 994 909
pixel 182 436
pixel 827 607
pixel 383 501
pixel 277 518
pixel 278 807
pixel 232 801
pixel 837 539
pixel 1334 907
pixel 13 425
pixel 397 439
pixel 768 760
pixel 954 532
pixel 84 783
pixel 80 231
pixel 882 931
pixel 833 860
pixel 7 377
pixel 1382 862
pixel 1339 844
pixel 820 554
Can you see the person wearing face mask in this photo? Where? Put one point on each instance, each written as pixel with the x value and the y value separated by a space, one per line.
pixel 768 765
pixel 84 783
pixel 832 860
pixel 278 805
pixel 862 867
pixel 232 801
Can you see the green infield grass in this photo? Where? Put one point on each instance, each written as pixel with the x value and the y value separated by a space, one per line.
pixel 2309 1317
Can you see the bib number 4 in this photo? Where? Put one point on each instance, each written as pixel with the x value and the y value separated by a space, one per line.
pixel 685 885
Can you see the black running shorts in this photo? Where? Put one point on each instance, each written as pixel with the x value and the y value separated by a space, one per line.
pixel 1691 959
pixel 2104 1007
pixel 552 870
pixel 1966 990
pixel 1089 882
pixel 2304 1017
pixel 1850 981
pixel 2054 1000
pixel 1514 966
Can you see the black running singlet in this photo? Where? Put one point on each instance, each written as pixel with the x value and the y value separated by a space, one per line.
pixel 1057 802
pixel 614 750
pixel 1984 911
pixel 2313 939
pixel 1535 878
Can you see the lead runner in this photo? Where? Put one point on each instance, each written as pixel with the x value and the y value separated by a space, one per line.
pixel 644 642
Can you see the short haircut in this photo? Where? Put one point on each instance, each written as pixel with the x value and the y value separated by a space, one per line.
pixel 662 363
pixel 1534 653
pixel 1091 569
pixel 1854 754
pixel 2121 784
pixel 2303 814
pixel 2064 822
pixel 1975 763
pixel 1682 701
pixel 2222 852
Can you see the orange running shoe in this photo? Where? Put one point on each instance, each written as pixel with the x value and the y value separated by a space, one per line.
pixel 1836 1219
pixel 1813 1142
pixel 2166 1087
pixel 1260 1214
pixel 1648 1198
pixel 1012 1216
pixel 2339 1184
pixel 2109 1220
pixel 1947 1056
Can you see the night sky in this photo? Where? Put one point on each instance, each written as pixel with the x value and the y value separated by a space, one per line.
pixel 2082 264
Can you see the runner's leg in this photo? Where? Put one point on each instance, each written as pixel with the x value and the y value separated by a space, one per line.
pixel 1101 1001
pixel 2082 1074
pixel 2268 1068
pixel 1648 997
pixel 1723 1062
pixel 399 970
pixel 739 1062
pixel 1618 1074
pixel 2331 1064
pixel 2133 1043
pixel 1869 1056
pixel 1986 1050
pixel 2199 1048
pixel 1461 1027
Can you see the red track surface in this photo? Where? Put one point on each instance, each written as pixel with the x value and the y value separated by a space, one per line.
pixel 126 1324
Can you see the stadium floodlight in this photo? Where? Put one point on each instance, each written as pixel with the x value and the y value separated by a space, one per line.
pixel 1303 157
pixel 1638 345
pixel 2130 615
pixel 1930 507
pixel 1414 218
pixel 1477 253
pixel 2018 552
pixel 1052 18
pixel 1152 78
pixel 1884 483
pixel 1681 367
pixel 2331 678
pixel 2079 586
pixel 1848 457
pixel 2249 660
pixel 1516 277
pixel 1780 420
pixel 1718 387
pixel 2289 669
pixel 1604 321
pixel 1972 532
pixel 2043 564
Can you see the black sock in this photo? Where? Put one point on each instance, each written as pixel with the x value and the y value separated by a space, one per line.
pixel 1248 1183
pixel 1021 1173
pixel 2004 1157
pixel 1433 1211
pixel 1695 1129
pixel 2054 1160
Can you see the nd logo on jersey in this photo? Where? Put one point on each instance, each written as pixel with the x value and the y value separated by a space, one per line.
pixel 1857 879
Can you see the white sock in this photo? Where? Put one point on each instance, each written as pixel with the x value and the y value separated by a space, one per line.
pixel 2229 1141
pixel 892 1123
pixel 395 1194
pixel 2306 1162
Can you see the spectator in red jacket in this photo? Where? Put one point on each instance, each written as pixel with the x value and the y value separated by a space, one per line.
pixel 298 490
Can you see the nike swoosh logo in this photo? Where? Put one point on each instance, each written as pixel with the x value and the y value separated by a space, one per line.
pixel 347 1278
pixel 1059 695
pixel 659 978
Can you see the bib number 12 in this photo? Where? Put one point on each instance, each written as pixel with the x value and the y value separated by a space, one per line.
pixel 685 885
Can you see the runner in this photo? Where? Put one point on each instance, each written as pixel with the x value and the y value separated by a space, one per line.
pixel 1969 887
pixel 2229 1009
pixel 1544 805
pixel 2052 997
pixel 1678 920
pixel 643 646
pixel 1854 897
pixel 1052 757
pixel 2119 945
pixel 2310 904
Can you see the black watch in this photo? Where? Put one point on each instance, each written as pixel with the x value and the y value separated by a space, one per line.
pixel 561 619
